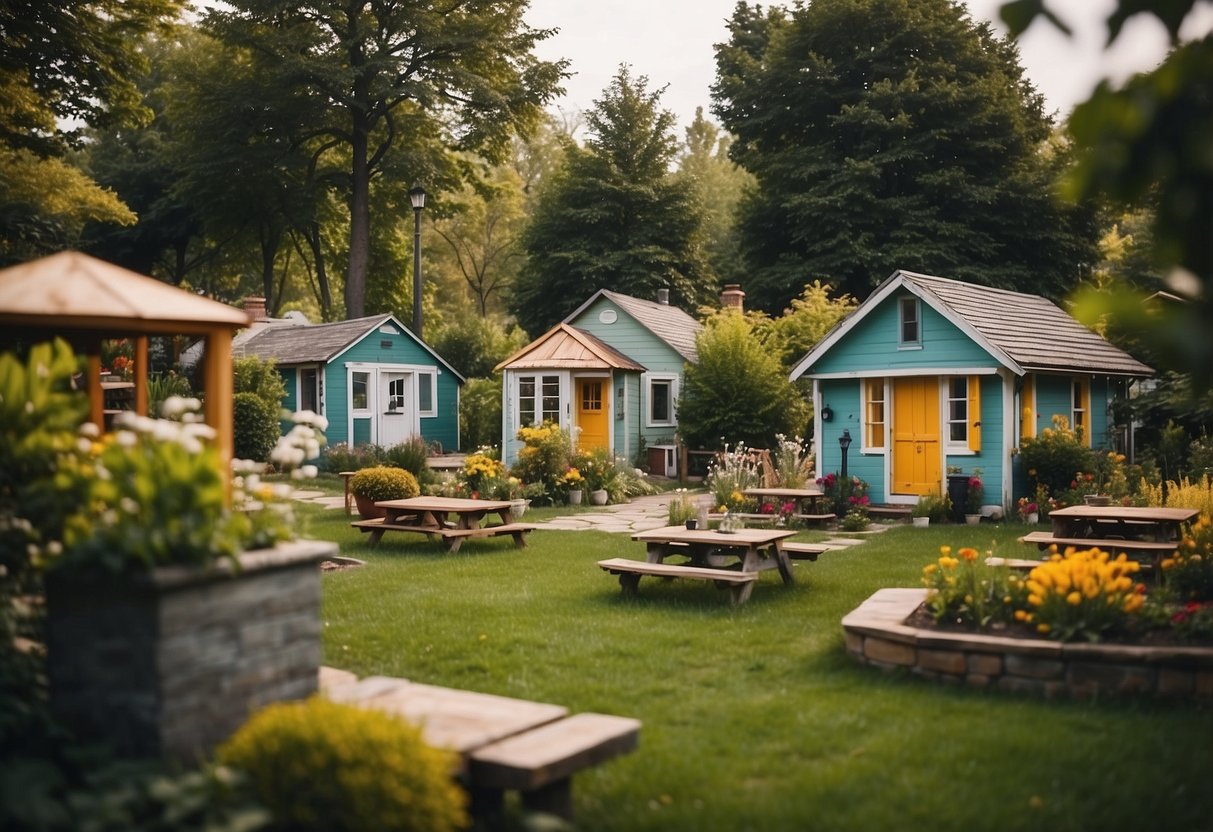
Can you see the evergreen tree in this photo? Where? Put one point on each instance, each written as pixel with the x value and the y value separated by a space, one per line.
pixel 890 134
pixel 614 216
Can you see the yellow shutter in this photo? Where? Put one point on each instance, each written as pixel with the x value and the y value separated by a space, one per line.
pixel 1084 393
pixel 1027 416
pixel 975 414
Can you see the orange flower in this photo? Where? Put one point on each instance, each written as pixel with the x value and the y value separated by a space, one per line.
pixel 968 553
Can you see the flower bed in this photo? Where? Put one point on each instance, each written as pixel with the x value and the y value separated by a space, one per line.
pixel 878 634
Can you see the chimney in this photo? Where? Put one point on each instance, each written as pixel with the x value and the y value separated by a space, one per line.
pixel 732 297
pixel 254 307
pixel 663 297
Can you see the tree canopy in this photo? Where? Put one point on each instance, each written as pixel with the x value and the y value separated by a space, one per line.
pixel 891 134
pixel 614 216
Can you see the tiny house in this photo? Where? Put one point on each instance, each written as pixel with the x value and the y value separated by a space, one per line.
pixel 930 375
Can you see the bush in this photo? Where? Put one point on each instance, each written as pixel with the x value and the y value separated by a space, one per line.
pixel 681 508
pixel 967 592
pixel 255 427
pixel 320 765
pixel 1083 594
pixel 342 457
pixel 545 458
pixel 260 377
pixel 731 474
pixel 1188 573
pixel 598 468
pixel 1055 458
pixel 480 413
pixel 384 483
pixel 844 493
pixel 411 455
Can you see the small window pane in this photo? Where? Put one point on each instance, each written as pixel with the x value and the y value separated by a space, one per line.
pixel 659 401
pixel 358 391
pixel 425 392
pixel 307 391
pixel 909 321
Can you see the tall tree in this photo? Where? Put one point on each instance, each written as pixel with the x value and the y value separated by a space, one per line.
pixel 376 74
pixel 614 216
pixel 891 134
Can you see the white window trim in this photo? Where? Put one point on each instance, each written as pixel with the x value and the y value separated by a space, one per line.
pixel 865 448
pixel 649 379
pixel 953 447
pixel 563 412
pixel 299 371
pixel 902 344
pixel 418 380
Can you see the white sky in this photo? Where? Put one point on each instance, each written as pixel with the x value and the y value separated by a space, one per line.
pixel 671 41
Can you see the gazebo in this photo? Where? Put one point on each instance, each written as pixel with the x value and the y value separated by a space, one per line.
pixel 86 301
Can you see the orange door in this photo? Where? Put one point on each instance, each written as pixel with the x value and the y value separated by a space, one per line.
pixel 916 458
pixel 592 408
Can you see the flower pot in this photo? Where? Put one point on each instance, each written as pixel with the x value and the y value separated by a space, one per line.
pixel 920 522
pixel 1097 499
pixel 692 525
pixel 171 662
pixel 972 519
pixel 575 497
pixel 518 508
pixel 367 509
pixel 598 497
pixel 1033 519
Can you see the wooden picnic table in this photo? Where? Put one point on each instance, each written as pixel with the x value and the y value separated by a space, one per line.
pixel 800 496
pixel 1134 530
pixel 450 519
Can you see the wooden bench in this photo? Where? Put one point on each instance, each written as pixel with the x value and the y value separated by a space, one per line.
pixel 540 763
pixel 453 537
pixel 1019 564
pixel 629 571
pixel 1156 551
pixel 805 551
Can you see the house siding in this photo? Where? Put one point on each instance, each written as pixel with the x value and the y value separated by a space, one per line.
pixel 842 396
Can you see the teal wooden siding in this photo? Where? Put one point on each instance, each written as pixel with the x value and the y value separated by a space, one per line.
pixel 337 406
pixel 874 344
pixel 842 396
pixel 362 432
pixel 1054 396
pixel 443 427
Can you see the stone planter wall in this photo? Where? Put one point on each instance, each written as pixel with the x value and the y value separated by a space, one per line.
pixel 877 635
pixel 171 663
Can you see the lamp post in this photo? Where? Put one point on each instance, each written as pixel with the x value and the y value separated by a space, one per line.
pixel 844 442
pixel 417 198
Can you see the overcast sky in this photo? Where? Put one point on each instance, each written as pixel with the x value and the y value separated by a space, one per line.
pixel 671 41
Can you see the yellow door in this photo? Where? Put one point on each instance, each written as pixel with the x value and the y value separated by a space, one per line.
pixel 592 413
pixel 916 436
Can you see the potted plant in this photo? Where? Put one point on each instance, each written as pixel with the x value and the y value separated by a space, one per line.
pixel 974 495
pixel 574 482
pixel 162 599
pixel 1028 511
pixel 598 467
pixel 920 512
pixel 373 485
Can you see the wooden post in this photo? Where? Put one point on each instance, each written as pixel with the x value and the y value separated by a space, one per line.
pixel 141 375
pixel 218 381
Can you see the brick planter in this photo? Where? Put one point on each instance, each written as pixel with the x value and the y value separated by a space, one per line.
pixel 172 662
pixel 877 635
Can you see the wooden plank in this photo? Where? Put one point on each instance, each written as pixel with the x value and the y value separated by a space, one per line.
pixel 805 551
pixel 1045 539
pixel 667 570
pixel 553 751
pixel 486 531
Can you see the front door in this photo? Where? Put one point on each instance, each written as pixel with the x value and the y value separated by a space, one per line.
pixel 916 451
pixel 592 409
pixel 395 414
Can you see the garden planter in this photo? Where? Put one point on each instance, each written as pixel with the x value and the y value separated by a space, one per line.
pixel 170 663
pixel 518 508
pixel 367 509
pixel 598 497
pixel 972 519
pixel 1032 519
pixel 920 522
pixel 575 497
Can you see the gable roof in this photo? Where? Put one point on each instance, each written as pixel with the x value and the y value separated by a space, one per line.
pixel 1025 333
pixel 304 343
pixel 669 323
pixel 567 347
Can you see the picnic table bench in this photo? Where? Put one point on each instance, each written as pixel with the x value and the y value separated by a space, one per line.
pixel 1134 530
pixel 630 572
pixel 501 743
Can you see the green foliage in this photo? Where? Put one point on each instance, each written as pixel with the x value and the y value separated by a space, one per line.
pixel 731 473
pixel 614 216
pixel 1054 457
pixel 545 458
pixel 598 468
pixel 475 345
pixel 342 457
pixel 411 455
pixel 1188 573
pixel 384 483
pixel 162 386
pixel 261 377
pixel 480 413
pixel 681 507
pixel 843 493
pixel 935 506
pixel 805 322
pixel 737 391
pixel 965 590
pixel 855 520
pixel 890 134
pixel 320 765
pixel 793 461
pixel 255 427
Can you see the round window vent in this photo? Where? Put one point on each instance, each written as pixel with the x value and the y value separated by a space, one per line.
pixel 608 316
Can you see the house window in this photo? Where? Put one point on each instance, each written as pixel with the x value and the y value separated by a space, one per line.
pixel 873 414
pixel 360 385
pixel 309 389
pixel 591 397
pixel 911 328
pixel 964 414
pixel 426 395
pixel 662 392
pixel 538 400
pixel 395 395
pixel 1080 411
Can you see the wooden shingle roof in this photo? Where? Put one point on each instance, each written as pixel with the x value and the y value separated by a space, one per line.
pixel 566 347
pixel 669 323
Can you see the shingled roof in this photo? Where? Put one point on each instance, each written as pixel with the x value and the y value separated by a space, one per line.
pixel 301 343
pixel 1026 333
pixel 570 348
pixel 669 323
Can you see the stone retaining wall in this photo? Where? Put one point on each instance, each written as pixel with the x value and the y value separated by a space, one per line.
pixel 876 634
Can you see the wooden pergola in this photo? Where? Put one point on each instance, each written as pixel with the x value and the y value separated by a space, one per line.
pixel 87 301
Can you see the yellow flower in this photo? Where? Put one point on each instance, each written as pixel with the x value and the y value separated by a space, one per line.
pixel 945 550
pixel 1074 599
pixel 1043 628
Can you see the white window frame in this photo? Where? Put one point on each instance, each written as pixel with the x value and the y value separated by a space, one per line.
pixel 367 411
pixel 562 399
pixel 956 447
pixel 422 377
pixel 904 303
pixel 865 448
pixel 318 390
pixel 650 379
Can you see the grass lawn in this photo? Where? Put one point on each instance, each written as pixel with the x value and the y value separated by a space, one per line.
pixel 754 717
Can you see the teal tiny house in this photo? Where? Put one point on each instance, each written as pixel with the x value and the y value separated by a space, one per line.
pixel 370 377
pixel 931 374
pixel 609 374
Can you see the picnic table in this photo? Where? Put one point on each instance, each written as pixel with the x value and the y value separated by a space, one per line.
pixel 732 560
pixel 449 519
pixel 800 496
pixel 1155 532
pixel 500 742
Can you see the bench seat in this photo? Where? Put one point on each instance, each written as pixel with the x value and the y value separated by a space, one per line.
pixel 630 572
pixel 1045 539
pixel 453 536
pixel 805 551
pixel 540 762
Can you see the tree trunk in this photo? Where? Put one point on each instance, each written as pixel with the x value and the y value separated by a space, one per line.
pixel 322 276
pixel 360 188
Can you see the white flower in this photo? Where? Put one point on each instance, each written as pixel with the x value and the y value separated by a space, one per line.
pixel 125 438
pixel 90 430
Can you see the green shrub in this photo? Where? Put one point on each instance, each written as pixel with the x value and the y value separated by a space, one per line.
pixel 161 386
pixel 545 458
pixel 411 455
pixel 965 590
pixel 255 427
pixel 320 765
pixel 384 483
pixel 342 457
pixel 480 413
pixel 261 377
pixel 1055 457
pixel 682 508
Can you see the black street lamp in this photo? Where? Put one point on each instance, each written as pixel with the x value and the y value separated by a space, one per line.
pixel 417 198
pixel 844 442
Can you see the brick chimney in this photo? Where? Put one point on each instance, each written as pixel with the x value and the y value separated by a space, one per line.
pixel 254 307
pixel 732 297
pixel 663 297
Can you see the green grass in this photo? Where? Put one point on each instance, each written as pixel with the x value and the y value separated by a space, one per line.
pixel 754 717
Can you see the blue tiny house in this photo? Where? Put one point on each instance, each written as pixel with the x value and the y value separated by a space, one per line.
pixel 931 374
pixel 370 377
pixel 610 374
